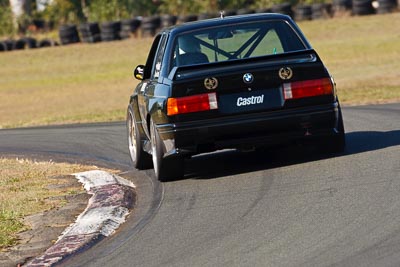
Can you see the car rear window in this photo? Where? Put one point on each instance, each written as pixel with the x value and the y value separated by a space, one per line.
pixel 235 42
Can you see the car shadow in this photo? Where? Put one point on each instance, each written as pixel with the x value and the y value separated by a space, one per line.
pixel 232 162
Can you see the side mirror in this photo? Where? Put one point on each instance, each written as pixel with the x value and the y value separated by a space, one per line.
pixel 139 72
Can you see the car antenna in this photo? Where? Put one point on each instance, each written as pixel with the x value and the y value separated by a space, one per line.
pixel 222 13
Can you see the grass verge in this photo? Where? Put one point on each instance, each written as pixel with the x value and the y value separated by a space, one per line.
pixel 92 82
pixel 28 187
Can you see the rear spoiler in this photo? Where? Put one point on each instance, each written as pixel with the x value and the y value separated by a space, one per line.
pixel 190 71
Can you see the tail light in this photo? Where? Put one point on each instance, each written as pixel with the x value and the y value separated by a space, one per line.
pixel 308 88
pixel 190 104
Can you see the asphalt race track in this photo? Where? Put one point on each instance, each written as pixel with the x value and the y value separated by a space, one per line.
pixel 281 207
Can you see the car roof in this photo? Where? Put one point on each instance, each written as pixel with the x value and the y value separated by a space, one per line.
pixel 220 21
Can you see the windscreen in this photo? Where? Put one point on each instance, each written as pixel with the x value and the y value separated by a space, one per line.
pixel 234 42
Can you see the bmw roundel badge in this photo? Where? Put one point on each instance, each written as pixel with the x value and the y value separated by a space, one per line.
pixel 210 83
pixel 248 78
pixel 285 73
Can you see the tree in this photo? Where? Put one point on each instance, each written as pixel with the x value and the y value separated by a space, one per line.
pixel 65 11
pixel 6 18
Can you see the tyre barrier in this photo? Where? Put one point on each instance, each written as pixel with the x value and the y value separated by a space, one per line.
pixel 47 43
pixel 340 7
pixel 150 25
pixel 285 8
pixel 110 31
pixel 40 24
pixel 245 11
pixel 3 47
pixel 204 16
pixel 30 42
pixel 68 34
pixel 9 44
pixel 19 44
pixel 362 7
pixel 321 11
pixel 168 20
pixel 89 32
pixel 187 18
pixel 303 12
pixel 264 10
pixel 25 43
pixel 129 27
pixel 230 13
pixel 386 6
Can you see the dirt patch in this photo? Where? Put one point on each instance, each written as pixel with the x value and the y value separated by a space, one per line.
pixel 46 227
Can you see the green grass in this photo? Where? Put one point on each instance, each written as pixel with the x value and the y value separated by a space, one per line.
pixel 91 83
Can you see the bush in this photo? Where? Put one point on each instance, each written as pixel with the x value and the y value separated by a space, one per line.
pixel 111 10
pixel 6 19
pixel 65 11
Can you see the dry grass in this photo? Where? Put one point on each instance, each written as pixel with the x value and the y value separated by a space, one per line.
pixel 29 187
pixel 363 55
pixel 88 83
pixel 77 83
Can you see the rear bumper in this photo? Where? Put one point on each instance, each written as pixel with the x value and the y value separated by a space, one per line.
pixel 260 129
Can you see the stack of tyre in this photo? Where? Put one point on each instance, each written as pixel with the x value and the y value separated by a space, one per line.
pixel 341 7
pixel 303 12
pixel 284 8
pixel 129 27
pixel 245 11
pixel 362 7
pixel 110 31
pixel 90 32
pixel 24 43
pixel 168 20
pixel 186 18
pixel 68 34
pixel 150 25
pixel 386 6
pixel 321 11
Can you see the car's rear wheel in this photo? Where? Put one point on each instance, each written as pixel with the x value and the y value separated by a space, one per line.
pixel 141 160
pixel 164 168
pixel 336 144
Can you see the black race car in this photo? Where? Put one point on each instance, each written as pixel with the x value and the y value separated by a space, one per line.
pixel 235 82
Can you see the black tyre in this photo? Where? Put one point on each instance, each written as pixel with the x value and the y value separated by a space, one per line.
pixel 245 11
pixel 47 43
pixel 110 31
pixel 39 24
pixel 3 47
pixel 336 144
pixel 284 8
pixel 303 12
pixel 230 13
pixel 204 16
pixel 19 44
pixel 9 44
pixel 141 160
pixel 187 18
pixel 164 168
pixel 264 10
pixel 68 34
pixel 321 11
pixel 30 43
pixel 341 7
pixel 168 20
pixel 386 6
pixel 150 25
pixel 129 27
pixel 89 32
pixel 362 7
pixel 25 43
